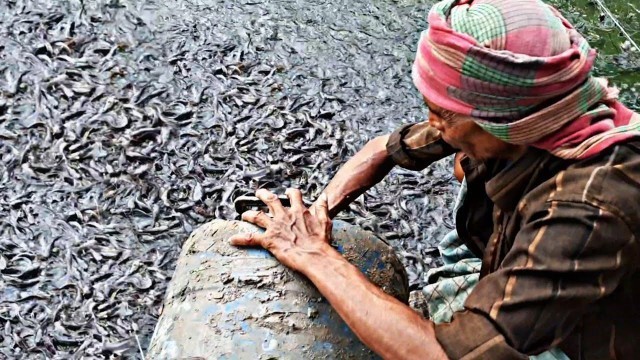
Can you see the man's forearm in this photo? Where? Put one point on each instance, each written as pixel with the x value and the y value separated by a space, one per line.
pixel 385 325
pixel 365 169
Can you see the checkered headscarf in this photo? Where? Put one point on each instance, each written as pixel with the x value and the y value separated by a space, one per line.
pixel 523 72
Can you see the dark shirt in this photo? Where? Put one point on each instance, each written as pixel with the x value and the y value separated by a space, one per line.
pixel 559 240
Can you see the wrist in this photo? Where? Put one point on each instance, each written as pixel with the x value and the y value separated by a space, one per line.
pixel 311 262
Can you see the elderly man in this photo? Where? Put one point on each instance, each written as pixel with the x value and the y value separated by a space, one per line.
pixel 550 202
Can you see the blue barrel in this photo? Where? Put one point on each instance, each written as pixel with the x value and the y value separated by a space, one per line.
pixel 231 303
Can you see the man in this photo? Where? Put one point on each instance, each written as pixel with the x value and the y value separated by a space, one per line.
pixel 552 205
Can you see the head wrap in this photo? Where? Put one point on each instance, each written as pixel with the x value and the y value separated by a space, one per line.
pixel 523 72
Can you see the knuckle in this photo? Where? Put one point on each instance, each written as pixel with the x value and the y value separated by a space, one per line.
pixel 248 239
pixel 269 245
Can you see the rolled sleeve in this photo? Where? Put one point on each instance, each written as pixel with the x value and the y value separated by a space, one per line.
pixel 472 336
pixel 416 146
pixel 566 257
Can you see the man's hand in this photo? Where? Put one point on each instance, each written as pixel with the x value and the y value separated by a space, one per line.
pixel 299 238
pixel 292 234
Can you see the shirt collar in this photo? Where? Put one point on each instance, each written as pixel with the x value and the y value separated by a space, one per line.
pixel 513 179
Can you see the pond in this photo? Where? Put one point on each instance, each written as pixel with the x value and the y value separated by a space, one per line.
pixel 125 124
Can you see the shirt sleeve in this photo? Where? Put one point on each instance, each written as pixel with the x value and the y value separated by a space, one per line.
pixel 566 257
pixel 416 146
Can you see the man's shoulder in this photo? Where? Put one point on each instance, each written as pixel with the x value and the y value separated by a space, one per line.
pixel 610 181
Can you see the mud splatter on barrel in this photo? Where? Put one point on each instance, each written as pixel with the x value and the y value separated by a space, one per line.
pixel 229 303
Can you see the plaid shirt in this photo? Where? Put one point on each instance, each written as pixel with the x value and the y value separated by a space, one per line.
pixel 559 243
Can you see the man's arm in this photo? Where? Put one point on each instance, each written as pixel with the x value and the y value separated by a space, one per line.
pixel 412 146
pixel 365 169
pixel 385 325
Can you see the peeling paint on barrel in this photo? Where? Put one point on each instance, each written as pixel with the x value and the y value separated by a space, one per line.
pixel 229 303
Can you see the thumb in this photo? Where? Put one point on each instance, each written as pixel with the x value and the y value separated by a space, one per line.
pixel 322 207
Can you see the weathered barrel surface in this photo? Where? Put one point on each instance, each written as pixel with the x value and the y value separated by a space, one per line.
pixel 230 303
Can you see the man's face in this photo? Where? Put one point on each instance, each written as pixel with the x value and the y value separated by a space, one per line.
pixel 463 133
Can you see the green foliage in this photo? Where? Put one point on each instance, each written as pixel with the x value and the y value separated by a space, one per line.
pixel 617 60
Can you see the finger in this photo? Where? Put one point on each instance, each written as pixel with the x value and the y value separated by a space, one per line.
pixel 295 197
pixel 248 239
pixel 257 217
pixel 272 201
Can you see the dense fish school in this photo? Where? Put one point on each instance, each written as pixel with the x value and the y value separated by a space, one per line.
pixel 124 125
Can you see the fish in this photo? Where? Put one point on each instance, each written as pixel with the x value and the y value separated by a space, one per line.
pixel 124 128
